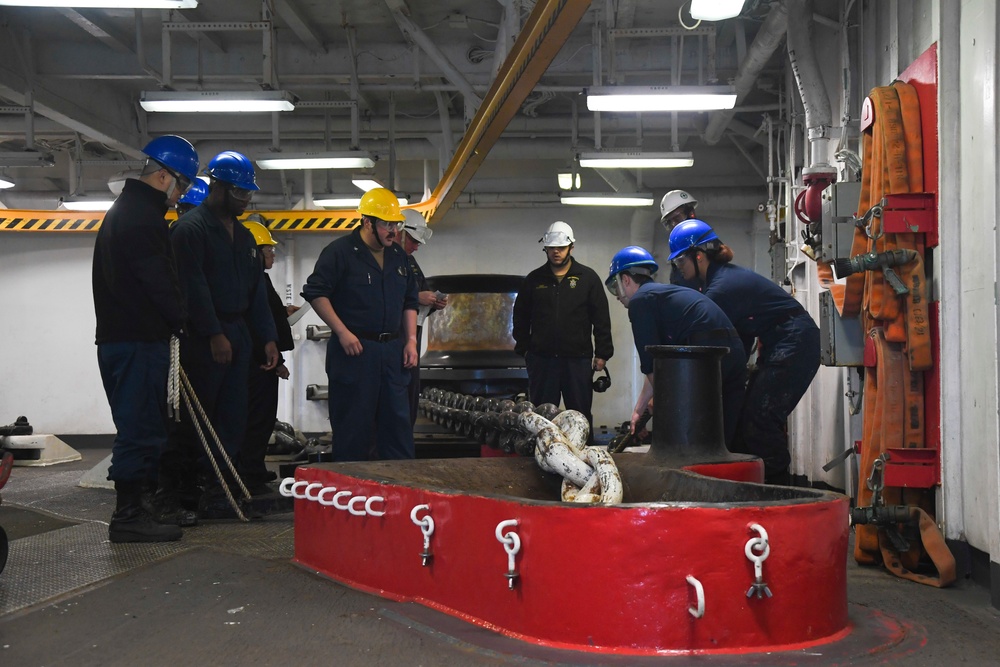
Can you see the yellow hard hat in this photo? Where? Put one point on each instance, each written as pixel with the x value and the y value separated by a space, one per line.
pixel 382 204
pixel 260 233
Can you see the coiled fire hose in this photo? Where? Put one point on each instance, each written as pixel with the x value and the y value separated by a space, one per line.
pixel 179 387
pixel 895 319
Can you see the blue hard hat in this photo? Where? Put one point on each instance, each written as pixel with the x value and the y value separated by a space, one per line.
pixel 234 168
pixel 690 234
pixel 196 194
pixel 631 257
pixel 176 153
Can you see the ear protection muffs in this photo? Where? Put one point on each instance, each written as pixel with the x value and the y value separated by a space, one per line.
pixel 602 383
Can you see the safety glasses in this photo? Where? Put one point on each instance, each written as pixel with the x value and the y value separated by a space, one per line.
pixel 612 285
pixel 427 233
pixel 390 226
pixel 674 219
pixel 183 182
pixel 240 193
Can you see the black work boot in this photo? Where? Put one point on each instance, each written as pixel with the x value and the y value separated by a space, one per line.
pixel 165 506
pixel 132 523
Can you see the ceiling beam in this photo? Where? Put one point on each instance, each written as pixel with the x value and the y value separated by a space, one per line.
pixel 452 73
pixel 95 26
pixel 92 109
pixel 543 35
pixel 300 24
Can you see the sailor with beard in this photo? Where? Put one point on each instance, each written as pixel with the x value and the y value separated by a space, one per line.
pixel 562 326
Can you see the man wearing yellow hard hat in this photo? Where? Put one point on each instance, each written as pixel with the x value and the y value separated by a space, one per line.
pixel 363 289
pixel 262 389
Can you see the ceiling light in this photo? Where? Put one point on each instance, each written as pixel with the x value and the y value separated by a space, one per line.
pixel 606 198
pixel 216 101
pixel 347 201
pixel 331 160
pixel 661 98
pixel 567 181
pixel 104 4
pixel 715 10
pixel 87 205
pixel 636 160
pixel 26 159
pixel 366 183
pixel 6 182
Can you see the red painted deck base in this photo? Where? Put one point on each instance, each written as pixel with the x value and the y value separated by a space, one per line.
pixel 607 579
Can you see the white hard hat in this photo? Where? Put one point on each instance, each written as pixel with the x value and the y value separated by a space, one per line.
pixel 559 234
pixel 673 200
pixel 416 227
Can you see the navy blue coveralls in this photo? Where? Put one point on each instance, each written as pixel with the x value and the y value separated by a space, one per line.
pixel 223 279
pixel 787 360
pixel 262 393
pixel 672 315
pixel 414 391
pixel 138 305
pixel 368 402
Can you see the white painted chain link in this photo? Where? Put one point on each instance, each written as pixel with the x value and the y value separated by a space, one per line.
pixel 757 549
pixel 426 525
pixel 512 545
pixel 318 492
pixel 699 592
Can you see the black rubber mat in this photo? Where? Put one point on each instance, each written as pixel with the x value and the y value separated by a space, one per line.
pixel 20 522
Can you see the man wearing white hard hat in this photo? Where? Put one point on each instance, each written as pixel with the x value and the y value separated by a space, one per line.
pixel 415 234
pixel 562 325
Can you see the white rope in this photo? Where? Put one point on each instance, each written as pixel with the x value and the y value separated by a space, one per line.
pixel 173 383
pixel 194 406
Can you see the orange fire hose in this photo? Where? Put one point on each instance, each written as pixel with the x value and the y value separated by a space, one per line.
pixel 897 327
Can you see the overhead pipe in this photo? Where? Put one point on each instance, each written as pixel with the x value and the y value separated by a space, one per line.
pixel 767 41
pixel 809 81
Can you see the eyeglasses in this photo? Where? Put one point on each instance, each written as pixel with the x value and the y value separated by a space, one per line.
pixel 267 250
pixel 390 226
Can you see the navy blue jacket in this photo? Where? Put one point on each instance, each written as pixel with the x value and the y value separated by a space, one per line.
pixel 366 298
pixel 136 293
pixel 673 315
pixel 222 278
pixel 754 304
pixel 556 317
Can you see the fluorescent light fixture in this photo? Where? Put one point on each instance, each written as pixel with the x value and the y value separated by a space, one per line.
pixel 567 182
pixel 606 198
pixel 88 205
pixel 104 4
pixel 347 201
pixel 661 98
pixel 715 10
pixel 636 160
pixel 216 101
pixel 366 183
pixel 332 160
pixel 5 182
pixel 26 159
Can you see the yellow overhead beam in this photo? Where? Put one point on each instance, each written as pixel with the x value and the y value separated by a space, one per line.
pixel 540 39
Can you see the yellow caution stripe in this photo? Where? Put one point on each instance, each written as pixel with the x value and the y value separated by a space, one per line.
pixel 277 221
